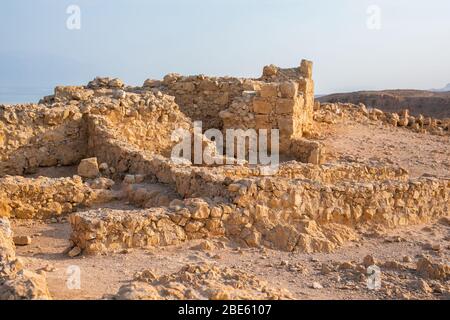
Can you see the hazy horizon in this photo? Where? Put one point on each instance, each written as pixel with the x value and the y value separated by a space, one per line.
pixel 136 40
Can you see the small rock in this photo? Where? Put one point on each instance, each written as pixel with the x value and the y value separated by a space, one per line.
pixel 316 286
pixel 407 259
pixel 76 251
pixel 146 276
pixel 49 268
pixel 22 240
pixel 129 179
pixel 369 261
pixel 205 245
pixel 346 266
pixel 326 269
pixel 88 168
pixel 422 286
pixel 102 184
pixel 436 247
pixel 103 166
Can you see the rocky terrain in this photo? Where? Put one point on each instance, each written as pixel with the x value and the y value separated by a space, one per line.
pixel 93 205
pixel 428 103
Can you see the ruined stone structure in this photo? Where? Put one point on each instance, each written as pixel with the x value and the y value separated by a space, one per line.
pixel 307 205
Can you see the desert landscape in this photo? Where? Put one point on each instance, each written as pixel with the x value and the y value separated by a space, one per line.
pixel 94 206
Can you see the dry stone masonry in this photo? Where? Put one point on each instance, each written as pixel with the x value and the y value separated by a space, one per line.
pixel 120 140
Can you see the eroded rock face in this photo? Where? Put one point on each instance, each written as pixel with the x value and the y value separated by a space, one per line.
pixel 200 282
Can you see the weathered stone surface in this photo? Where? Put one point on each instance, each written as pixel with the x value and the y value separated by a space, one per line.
pixel 88 168
pixel 202 282
pixel 22 240
pixel 433 270
pixel 42 197
pixel 25 285
pixel 306 207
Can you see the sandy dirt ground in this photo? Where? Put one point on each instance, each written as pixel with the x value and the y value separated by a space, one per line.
pixel 297 272
pixel 418 153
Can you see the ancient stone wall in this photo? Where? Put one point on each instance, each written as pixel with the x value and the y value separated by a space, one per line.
pixel 42 197
pixel 391 203
pixel 200 97
pixel 277 212
pixel 35 135
pixel 300 206
pixel 283 100
pixel 301 76
pixel 330 173
pixel 45 198
pixel 144 121
pixel 279 102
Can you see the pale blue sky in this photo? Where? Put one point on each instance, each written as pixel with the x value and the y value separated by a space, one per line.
pixel 140 39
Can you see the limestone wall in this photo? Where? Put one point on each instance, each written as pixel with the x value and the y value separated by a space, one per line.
pixel 283 102
pixel 281 204
pixel 34 135
pixel 43 198
pixel 282 213
pixel 145 121
pixel 273 106
pixel 201 97
pixel 109 230
pixel 330 173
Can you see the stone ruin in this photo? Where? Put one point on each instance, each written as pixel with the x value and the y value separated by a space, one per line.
pixel 119 138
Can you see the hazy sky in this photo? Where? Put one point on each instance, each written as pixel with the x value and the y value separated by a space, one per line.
pixel 140 39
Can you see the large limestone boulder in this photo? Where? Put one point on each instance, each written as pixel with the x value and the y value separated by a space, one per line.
pixel 88 168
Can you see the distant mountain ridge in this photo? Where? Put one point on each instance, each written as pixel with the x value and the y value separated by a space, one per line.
pixel 429 103
pixel 445 89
